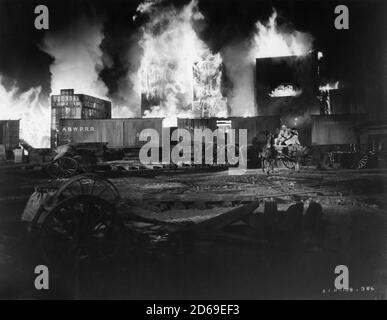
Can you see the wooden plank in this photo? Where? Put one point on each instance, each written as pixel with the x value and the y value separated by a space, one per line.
pixel 230 238
pixel 215 197
pixel 223 219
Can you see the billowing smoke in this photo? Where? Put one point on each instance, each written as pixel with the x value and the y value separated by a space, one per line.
pixel 32 109
pixel 239 61
pixel 78 58
pixel 169 59
pixel 268 40
pixel 127 98
pixel 78 61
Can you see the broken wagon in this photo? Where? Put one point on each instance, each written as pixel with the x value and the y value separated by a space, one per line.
pixel 74 158
pixel 85 216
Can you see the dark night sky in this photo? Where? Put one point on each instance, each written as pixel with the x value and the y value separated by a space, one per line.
pixel 357 56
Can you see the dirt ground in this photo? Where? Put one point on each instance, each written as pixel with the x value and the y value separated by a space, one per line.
pixel 355 225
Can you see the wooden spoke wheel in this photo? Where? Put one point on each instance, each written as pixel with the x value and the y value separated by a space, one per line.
pixel 362 162
pixel 327 161
pixel 263 164
pixel 63 167
pixel 268 165
pixel 288 163
pixel 87 185
pixel 83 227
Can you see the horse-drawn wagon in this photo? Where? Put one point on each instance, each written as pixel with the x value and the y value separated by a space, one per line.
pixel 71 159
pixel 290 156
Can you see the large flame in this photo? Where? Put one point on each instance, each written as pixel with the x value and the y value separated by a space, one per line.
pixel 285 90
pixel 329 86
pixel 207 77
pixel 173 56
pixel 270 41
pixel 32 110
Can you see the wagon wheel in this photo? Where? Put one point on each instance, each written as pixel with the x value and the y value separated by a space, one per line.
pixel 83 227
pixel 362 162
pixel 63 167
pixel 288 163
pixel 86 185
pixel 264 165
pixel 327 161
pixel 267 165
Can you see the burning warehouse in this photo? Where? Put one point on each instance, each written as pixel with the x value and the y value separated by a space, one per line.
pixel 68 105
pixel 287 85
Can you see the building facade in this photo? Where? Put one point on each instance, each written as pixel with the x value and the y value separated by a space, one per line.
pixel 68 105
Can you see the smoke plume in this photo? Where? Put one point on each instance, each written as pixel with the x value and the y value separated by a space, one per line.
pixel 78 58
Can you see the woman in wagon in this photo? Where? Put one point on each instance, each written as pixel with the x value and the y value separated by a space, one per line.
pixel 287 136
pixel 294 137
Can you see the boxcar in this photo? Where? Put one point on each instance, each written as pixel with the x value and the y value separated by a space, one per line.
pixel 117 133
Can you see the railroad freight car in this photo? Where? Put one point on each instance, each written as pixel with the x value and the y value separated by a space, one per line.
pixel 9 137
pixel 256 126
pixel 70 105
pixel 9 133
pixel 117 133
pixel 336 141
pixel 374 135
pixel 337 129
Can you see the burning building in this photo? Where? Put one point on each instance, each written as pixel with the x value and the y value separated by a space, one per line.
pixel 68 105
pixel 204 99
pixel 287 85
pixel 180 76
pixel 207 89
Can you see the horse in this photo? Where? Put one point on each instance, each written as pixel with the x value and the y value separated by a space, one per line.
pixel 268 154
